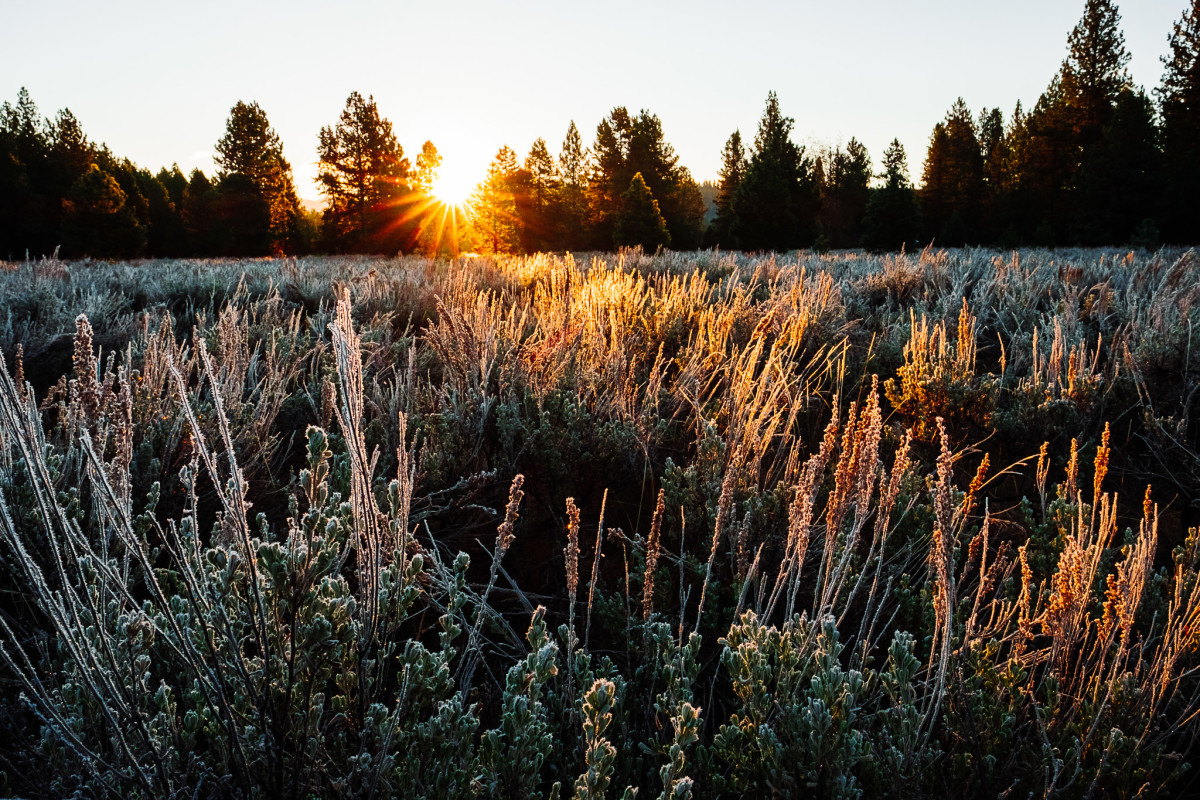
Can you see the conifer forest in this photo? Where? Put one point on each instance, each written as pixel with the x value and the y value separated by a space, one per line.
pixel 820 480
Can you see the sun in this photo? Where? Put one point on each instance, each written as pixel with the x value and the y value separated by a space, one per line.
pixel 453 188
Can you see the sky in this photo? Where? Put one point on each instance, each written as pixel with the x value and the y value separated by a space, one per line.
pixel 155 79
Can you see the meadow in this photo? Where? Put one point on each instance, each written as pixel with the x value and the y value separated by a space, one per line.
pixel 682 525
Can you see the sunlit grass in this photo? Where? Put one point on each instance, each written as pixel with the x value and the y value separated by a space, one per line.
pixel 809 425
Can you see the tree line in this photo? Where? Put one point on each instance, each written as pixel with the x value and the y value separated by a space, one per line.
pixel 1096 161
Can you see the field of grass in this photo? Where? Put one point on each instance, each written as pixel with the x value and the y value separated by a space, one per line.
pixel 699 524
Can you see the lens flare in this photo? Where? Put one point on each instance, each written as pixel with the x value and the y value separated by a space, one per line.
pixel 453 189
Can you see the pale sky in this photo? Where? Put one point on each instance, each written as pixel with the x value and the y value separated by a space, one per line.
pixel 155 79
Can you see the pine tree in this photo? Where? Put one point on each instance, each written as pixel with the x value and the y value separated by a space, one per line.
pixel 496 223
pixel 27 211
pixel 1095 70
pixel 952 181
pixel 776 204
pixel 893 217
pixel 98 220
pixel 1179 96
pixel 436 223
pixel 733 167
pixel 994 149
pixel 685 202
pixel 626 145
pixel 70 151
pixel 639 222
pixel 241 216
pixel 1119 185
pixel 571 211
pixel 1048 162
pixel 541 198
pixel 197 213
pixel 175 182
pixel 251 148
pixel 165 236
pixel 608 179
pixel 1007 199
pixel 845 194
pixel 364 176
pixel 429 161
pixel 1069 119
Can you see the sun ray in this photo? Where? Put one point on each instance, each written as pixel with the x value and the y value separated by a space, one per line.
pixel 453 188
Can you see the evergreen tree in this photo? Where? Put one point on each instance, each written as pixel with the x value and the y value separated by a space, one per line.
pixel 98 220
pixel 26 212
pixel 685 201
pixel 198 216
pixel 251 148
pixel 364 176
pixel 165 235
pixel 776 203
pixel 1095 70
pixel 538 209
pixel 70 153
pixel 1070 116
pixel 571 210
pixel 1008 189
pixel 608 179
pixel 952 182
pixel 993 146
pixel 125 173
pixel 893 217
pixel 429 161
pixel 1119 185
pixel 626 145
pixel 241 217
pixel 639 222
pixel 175 182
pixel 733 167
pixel 496 224
pixel 845 194
pixel 1179 96
pixel 436 222
pixel 1049 160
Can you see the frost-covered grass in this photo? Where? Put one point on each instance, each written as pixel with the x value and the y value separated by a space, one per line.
pixel 700 523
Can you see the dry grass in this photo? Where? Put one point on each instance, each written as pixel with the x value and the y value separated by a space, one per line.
pixel 828 456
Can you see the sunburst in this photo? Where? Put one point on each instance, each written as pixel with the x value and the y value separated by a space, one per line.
pixel 453 188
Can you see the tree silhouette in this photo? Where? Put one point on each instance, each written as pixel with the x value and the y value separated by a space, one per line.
pixel 199 221
pixel 775 205
pixel 626 145
pixel 952 181
pixel 571 212
pixel 893 218
pixel 1179 96
pixel 97 218
pixel 845 193
pixel 1069 118
pixel 364 176
pixel 251 148
pixel 429 161
pixel 27 209
pixel 1119 184
pixel 733 167
pixel 639 222
pixel 1095 73
pixel 538 202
